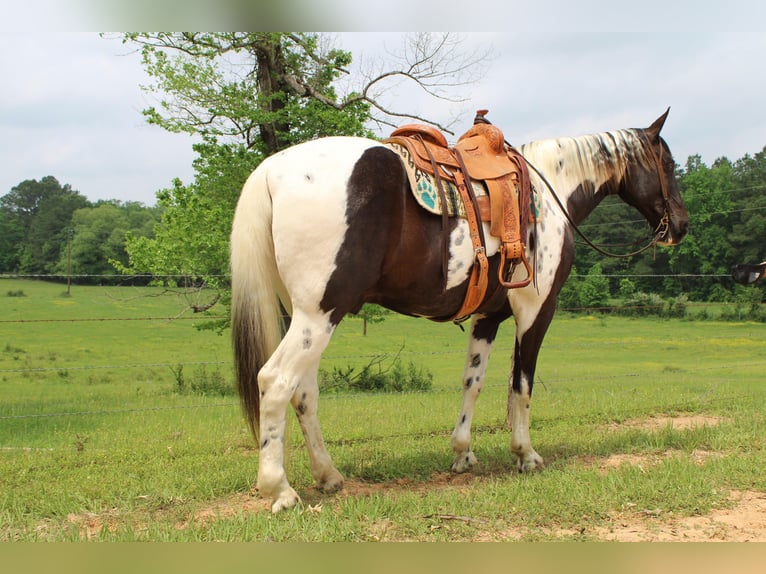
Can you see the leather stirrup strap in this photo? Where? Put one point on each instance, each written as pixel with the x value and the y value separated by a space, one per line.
pixel 478 281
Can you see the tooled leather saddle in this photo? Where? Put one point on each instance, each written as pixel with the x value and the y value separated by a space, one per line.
pixel 480 155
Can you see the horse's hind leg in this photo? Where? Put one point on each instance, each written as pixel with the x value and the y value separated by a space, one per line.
pixel 305 402
pixel 483 331
pixel 287 375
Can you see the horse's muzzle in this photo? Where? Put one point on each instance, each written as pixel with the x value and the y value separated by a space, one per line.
pixel 674 232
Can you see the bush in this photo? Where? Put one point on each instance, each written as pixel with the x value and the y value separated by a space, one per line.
pixel 17 293
pixel 375 377
pixel 642 304
pixel 627 288
pixel 202 382
pixel 747 306
pixel 569 297
pixel 677 306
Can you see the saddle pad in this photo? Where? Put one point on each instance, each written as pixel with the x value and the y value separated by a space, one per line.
pixel 426 190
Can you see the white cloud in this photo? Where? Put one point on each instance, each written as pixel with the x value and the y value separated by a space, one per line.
pixel 75 113
pixel 70 104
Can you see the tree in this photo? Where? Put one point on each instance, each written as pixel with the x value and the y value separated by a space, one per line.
pixel 594 289
pixel 12 235
pixel 37 215
pixel 707 248
pixel 371 314
pixel 749 221
pixel 246 96
pixel 99 235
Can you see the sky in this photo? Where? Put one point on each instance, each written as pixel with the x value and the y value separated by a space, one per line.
pixel 71 101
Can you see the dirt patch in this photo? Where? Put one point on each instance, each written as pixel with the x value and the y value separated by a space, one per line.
pixel 744 522
pixel 643 461
pixel 229 507
pixel 91 524
pixel 684 422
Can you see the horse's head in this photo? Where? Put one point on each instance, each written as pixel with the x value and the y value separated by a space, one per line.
pixel 653 189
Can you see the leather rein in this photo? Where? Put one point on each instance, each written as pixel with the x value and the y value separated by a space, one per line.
pixel 660 230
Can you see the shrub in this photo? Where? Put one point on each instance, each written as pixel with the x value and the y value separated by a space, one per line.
pixel 677 306
pixel 627 288
pixel 642 304
pixel 376 377
pixel 569 297
pixel 16 293
pixel 202 382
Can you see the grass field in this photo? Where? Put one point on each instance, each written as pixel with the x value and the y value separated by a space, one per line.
pixel 95 442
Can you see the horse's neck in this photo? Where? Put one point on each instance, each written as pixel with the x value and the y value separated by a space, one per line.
pixel 584 170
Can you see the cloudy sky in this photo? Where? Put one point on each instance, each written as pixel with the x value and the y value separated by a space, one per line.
pixel 70 103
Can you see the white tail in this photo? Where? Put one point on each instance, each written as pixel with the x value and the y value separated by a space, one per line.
pixel 256 321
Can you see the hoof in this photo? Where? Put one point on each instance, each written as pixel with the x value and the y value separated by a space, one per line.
pixel 530 463
pixel 331 483
pixel 286 500
pixel 463 462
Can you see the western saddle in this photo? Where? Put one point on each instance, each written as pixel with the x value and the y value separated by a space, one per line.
pixel 481 154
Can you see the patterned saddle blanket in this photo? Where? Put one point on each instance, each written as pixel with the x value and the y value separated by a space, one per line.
pixel 425 190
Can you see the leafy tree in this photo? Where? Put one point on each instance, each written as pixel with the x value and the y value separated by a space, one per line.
pixel 98 239
pixel 749 220
pixel 569 297
pixel 371 314
pixel 237 91
pixel 37 215
pixel 12 235
pixel 707 248
pixel 246 96
pixel 594 290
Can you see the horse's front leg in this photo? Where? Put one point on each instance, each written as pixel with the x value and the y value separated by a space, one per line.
pixel 483 331
pixel 528 342
pixel 519 404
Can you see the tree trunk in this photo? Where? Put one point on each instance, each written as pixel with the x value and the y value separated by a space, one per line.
pixel 272 90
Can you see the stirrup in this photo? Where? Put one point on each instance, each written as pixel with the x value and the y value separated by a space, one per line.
pixel 514 284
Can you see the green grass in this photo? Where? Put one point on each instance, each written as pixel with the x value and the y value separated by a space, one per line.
pixel 92 430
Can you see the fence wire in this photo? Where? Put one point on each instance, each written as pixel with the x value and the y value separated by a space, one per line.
pixel 326 396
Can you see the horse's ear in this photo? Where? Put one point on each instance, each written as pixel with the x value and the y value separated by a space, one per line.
pixel 653 131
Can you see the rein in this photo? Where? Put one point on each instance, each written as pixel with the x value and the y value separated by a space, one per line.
pixel 660 230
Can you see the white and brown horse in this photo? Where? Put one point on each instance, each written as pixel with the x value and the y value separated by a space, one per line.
pixel 323 227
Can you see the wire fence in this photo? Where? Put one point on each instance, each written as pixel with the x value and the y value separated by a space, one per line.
pixel 231 403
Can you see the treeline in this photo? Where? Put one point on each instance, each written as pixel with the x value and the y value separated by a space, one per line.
pixel 51 229
pixel 727 217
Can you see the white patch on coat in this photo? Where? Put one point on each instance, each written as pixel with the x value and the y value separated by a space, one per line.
pixel 461 252
pixel 308 187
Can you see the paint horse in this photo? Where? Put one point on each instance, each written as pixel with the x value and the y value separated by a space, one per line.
pixel 747 274
pixel 325 226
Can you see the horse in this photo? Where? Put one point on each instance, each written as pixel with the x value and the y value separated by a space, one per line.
pixel 328 225
pixel 747 274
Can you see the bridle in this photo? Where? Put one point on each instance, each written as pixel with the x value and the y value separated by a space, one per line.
pixel 659 231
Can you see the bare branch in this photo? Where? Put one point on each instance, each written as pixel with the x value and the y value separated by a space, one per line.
pixel 428 66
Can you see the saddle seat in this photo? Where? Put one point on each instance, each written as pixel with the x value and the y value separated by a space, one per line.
pixel 480 154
